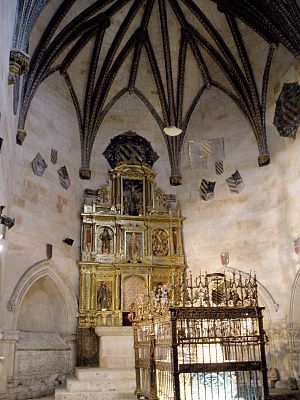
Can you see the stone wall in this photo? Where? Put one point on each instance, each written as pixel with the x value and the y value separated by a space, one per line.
pixel 44 213
pixel 7 158
pixel 7 123
pixel 257 226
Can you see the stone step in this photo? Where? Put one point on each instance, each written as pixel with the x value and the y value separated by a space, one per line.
pixel 63 394
pixel 43 398
pixel 104 374
pixel 100 385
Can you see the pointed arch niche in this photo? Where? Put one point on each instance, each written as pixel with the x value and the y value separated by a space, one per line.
pixel 43 301
pixel 42 309
pixel 45 320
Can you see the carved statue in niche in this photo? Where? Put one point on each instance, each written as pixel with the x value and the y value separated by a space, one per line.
pixel 134 246
pixel 159 198
pixel 132 197
pixel 160 242
pixel 139 207
pixel 106 237
pixel 86 254
pixel 126 206
pixel 104 296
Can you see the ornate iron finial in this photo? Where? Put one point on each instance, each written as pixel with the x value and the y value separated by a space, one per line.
pixel 203 290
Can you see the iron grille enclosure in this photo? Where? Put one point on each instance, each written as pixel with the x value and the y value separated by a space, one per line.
pixel 214 351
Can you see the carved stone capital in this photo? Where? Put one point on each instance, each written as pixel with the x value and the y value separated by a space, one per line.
pixel 18 65
pixel 18 62
pixel 85 173
pixel 176 180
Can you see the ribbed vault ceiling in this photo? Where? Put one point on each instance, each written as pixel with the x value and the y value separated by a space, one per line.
pixel 166 52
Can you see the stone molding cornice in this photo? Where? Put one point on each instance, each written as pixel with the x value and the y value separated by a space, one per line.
pixel 9 335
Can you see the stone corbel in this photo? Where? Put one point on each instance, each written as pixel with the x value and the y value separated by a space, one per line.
pixel 176 180
pixel 264 159
pixel 264 155
pixel 85 173
pixel 18 64
pixel 21 134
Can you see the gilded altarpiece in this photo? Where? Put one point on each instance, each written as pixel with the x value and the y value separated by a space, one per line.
pixel 131 240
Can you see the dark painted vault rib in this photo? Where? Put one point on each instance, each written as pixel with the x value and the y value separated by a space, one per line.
pixel 277 22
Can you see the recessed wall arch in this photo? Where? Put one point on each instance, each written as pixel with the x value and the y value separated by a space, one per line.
pixel 295 294
pixel 38 271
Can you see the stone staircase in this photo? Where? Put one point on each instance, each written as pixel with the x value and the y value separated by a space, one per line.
pixel 98 384
pixel 115 379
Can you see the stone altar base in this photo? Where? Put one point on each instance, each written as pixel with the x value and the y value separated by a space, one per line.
pixel 115 379
pixel 116 347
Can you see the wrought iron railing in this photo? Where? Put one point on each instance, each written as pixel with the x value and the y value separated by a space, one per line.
pixel 202 340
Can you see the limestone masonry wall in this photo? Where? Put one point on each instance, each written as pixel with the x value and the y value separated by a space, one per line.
pixel 257 226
